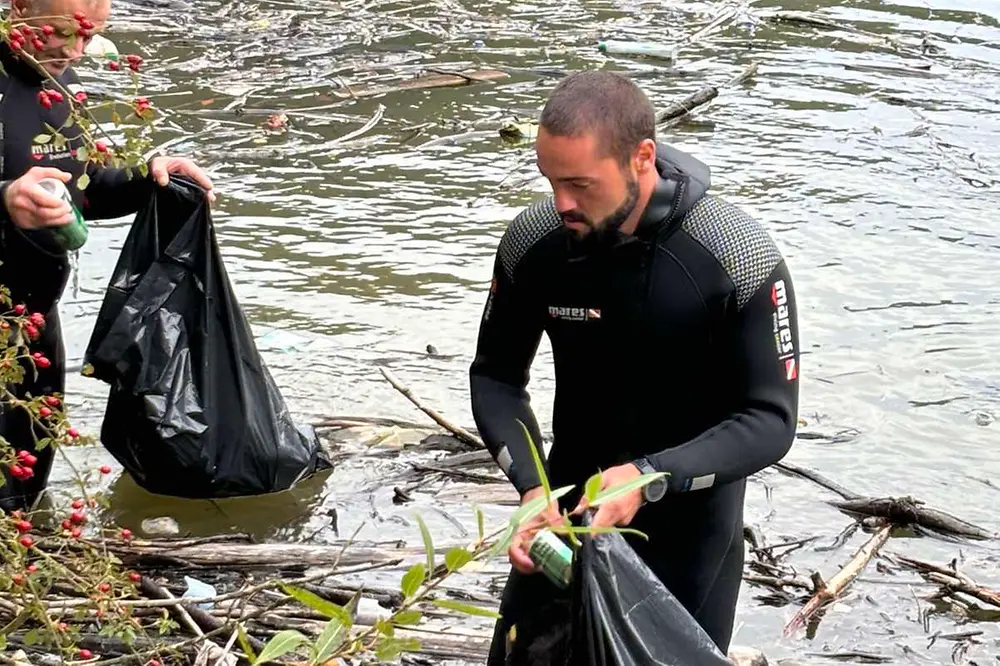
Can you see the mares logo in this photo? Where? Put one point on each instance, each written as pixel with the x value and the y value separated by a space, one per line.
pixel 783 329
pixel 574 314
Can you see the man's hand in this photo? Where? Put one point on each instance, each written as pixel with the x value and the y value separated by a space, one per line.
pixel 518 551
pixel 620 511
pixel 162 167
pixel 31 207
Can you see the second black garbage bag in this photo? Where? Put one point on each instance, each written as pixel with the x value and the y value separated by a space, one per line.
pixel 192 411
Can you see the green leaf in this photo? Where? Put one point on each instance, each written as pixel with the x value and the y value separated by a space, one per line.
pixel 42 138
pixel 144 169
pixel 593 487
pixel 385 627
pixel 539 465
pixel 82 154
pixel 528 511
pixel 468 609
pixel 281 644
pixel 456 558
pixel 59 142
pixel 622 489
pixel 82 182
pixel 390 648
pixel 333 636
pixel 572 530
pixel 318 603
pixel 245 645
pixel 31 637
pixel 407 617
pixel 428 544
pixel 481 523
pixel 115 118
pixel 413 579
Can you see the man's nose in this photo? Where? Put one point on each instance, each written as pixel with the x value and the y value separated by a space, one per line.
pixel 564 202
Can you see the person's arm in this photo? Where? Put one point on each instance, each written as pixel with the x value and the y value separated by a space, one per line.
pixel 760 431
pixel 510 330
pixel 114 192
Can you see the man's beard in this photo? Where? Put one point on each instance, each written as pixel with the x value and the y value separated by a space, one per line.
pixel 606 232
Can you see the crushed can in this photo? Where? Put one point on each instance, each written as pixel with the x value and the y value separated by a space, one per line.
pixel 553 557
pixel 73 235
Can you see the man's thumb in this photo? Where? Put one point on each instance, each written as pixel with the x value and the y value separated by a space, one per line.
pixel 40 173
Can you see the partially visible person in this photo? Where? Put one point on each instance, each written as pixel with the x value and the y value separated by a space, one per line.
pixel 673 325
pixel 32 265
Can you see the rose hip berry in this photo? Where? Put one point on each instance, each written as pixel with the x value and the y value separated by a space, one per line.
pixel 114 66
pixel 52 401
pixel 85 654
pixel 20 309
pixel 23 526
pixel 27 541
pixel 17 579
pixel 44 412
pixel 77 503
pixel 135 577
pixel 66 525
pixel 37 44
pixel 78 517
pixel 81 97
pixel 76 533
pixel 105 469
pixel 48 30
pixel 73 433
pixel 31 568
pixel 29 330
pixel 44 99
pixel 126 534
pixel 104 587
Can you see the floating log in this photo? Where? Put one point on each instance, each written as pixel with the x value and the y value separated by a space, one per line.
pixel 458 431
pixel 261 555
pixel 910 511
pixel 832 588
pixel 439 79
pixel 951 579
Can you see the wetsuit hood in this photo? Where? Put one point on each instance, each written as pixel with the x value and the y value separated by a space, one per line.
pixel 684 179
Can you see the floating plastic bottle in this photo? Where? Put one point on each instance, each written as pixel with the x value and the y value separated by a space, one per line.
pixel 649 49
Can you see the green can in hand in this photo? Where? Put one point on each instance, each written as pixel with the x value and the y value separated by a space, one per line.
pixel 73 235
pixel 553 557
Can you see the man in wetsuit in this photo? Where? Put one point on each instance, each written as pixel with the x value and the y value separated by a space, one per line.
pixel 672 321
pixel 34 268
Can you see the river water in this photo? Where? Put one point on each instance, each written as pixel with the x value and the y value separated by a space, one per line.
pixel 875 167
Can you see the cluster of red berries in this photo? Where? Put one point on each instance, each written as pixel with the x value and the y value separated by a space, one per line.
pixel 133 61
pixel 19 37
pixel 142 105
pixel 36 320
pixel 49 97
pixel 85 24
pixel 22 469
pixel 24 526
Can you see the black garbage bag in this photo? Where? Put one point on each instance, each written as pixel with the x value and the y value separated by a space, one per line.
pixel 193 411
pixel 615 613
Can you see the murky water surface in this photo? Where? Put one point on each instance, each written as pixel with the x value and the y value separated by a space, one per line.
pixel 875 168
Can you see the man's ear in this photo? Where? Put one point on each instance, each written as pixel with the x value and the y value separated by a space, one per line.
pixel 645 156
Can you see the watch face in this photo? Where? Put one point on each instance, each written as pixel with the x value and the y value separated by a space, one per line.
pixel 655 490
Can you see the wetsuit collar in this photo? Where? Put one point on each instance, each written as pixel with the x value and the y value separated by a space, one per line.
pixel 682 181
pixel 17 68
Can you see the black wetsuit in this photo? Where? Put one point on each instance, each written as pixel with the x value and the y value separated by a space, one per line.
pixel 33 267
pixel 678 343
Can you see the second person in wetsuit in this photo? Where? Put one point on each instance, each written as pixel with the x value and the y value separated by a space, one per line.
pixel 671 314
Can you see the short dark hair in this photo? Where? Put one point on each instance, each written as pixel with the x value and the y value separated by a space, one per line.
pixel 607 104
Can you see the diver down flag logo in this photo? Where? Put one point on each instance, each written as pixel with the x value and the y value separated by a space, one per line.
pixel 791 370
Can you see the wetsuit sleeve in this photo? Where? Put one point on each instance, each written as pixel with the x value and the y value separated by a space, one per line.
pixel 114 192
pixel 764 353
pixel 509 333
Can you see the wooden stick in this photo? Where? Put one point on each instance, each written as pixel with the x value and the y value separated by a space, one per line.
pixel 818 478
pixel 839 581
pixel 445 80
pixel 951 579
pixel 459 432
pixel 676 111
pixel 906 510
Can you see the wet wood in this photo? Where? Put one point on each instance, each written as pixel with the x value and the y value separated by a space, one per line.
pixel 835 586
pixel 951 580
pixel 263 555
pixel 817 478
pixel 677 111
pixel 909 511
pixel 438 79
pixel 458 431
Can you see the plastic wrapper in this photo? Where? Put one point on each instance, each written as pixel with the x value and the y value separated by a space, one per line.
pixel 192 410
pixel 615 613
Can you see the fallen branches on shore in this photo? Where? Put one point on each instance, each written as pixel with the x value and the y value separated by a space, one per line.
pixel 906 511
pixel 832 589
pixel 951 580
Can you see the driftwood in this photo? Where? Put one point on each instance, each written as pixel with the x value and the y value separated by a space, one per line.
pixel 907 511
pixel 951 580
pixel 832 588
pixel 675 111
pixel 439 79
pixel 458 431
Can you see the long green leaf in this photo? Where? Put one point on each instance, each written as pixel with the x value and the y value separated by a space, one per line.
pixel 468 609
pixel 281 644
pixel 317 603
pixel 593 487
pixel 456 558
pixel 539 465
pixel 481 523
pixel 428 544
pixel 241 634
pixel 571 530
pixel 407 617
pixel 625 488
pixel 333 636
pixel 413 579
pixel 528 511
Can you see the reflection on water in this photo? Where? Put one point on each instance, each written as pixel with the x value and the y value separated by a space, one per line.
pixel 876 170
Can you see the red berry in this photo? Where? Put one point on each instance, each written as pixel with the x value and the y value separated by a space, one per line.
pixel 15 34
pixel 22 454
pixel 76 533
pixel 105 469
pixel 101 146
pixel 78 518
pixel 32 568
pixel 86 24
pixel 30 330
pixel 126 534
pixel 48 30
pixel 62 626
pixel 86 654
pixel 44 100
pixel 52 401
pixel 134 66
pixel 19 309
pixel 44 412
pixel 77 503
pixel 104 587
pixel 37 44
pixel 79 16
pixel 43 363
pixel 23 526
pixel 66 525
pixel 37 318
pixel 73 433
pixel 30 461
pixel 26 473
pixel 81 97
pixel 114 66
pixel 27 541
pixel 5 325
pixel 135 577
pixel 57 97
pixel 17 579
pixel 83 32
pixel 16 471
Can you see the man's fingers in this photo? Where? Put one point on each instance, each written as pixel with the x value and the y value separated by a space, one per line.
pixel 45 202
pixel 39 173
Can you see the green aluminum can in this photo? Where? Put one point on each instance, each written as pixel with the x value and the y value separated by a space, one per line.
pixel 553 557
pixel 73 235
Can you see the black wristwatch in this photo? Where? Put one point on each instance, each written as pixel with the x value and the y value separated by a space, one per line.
pixel 655 490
